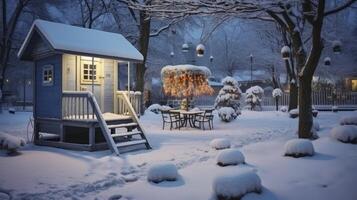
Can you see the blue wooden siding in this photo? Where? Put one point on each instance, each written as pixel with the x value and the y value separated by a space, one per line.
pixel 48 98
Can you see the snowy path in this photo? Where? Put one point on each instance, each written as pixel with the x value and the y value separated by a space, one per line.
pixel 49 173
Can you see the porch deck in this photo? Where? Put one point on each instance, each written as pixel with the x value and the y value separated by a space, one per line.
pixel 84 127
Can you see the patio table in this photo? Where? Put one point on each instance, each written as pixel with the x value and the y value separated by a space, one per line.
pixel 188 116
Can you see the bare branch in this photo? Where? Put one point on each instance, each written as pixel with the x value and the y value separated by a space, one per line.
pixel 338 9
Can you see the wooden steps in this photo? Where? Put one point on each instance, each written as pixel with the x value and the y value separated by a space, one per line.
pixel 125 134
pixel 131 143
pixel 126 125
pixel 124 138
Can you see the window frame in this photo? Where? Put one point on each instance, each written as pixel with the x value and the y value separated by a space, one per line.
pixel 47 78
pixel 96 74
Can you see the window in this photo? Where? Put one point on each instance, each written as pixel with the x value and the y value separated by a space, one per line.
pixel 47 75
pixel 90 72
pixel 354 85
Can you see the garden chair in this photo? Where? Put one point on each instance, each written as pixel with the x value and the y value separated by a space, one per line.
pixel 172 118
pixel 206 117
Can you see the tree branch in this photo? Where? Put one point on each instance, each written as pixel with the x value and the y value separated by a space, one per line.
pixel 338 9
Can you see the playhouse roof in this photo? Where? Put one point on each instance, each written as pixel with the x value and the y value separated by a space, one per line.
pixel 77 40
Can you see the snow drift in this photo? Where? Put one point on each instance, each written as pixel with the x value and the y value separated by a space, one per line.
pixel 235 185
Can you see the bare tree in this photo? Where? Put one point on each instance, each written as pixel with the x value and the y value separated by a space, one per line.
pixel 8 27
pixel 92 10
pixel 292 16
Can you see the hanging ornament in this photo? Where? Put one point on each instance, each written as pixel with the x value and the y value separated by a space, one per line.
pixel 172 54
pixel 285 52
pixel 336 46
pixel 200 50
pixel 327 61
pixel 185 47
pixel 211 58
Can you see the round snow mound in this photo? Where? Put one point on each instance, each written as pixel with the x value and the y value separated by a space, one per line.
pixel 350 120
pixel 299 148
pixel 294 113
pixel 11 143
pixel 162 172
pixel 346 133
pixel 220 143
pixel 235 185
pixel 284 109
pixel 230 157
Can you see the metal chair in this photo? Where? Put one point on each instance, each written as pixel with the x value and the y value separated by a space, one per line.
pixel 172 118
pixel 206 117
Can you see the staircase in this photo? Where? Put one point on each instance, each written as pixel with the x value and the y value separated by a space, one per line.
pixel 117 135
pixel 127 135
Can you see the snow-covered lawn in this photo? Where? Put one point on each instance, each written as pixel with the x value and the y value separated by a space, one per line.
pixel 50 173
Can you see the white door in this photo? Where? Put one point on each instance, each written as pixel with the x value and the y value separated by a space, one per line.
pixel 91 77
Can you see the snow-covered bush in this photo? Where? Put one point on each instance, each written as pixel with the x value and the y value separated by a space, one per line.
pixel 227 114
pixel 277 93
pixel 162 172
pixel 220 143
pixel 155 108
pixel 294 113
pixel 11 143
pixel 254 97
pixel 284 109
pixel 235 185
pixel 230 157
pixel 299 148
pixel 349 120
pixel 229 96
pixel 316 125
pixel 315 112
pixel 346 133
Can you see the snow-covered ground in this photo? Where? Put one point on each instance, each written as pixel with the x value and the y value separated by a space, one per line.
pixel 50 173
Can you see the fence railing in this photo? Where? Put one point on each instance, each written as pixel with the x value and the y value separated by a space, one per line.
pixel 322 97
pixel 121 106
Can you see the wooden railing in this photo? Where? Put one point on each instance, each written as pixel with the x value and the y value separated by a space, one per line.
pixel 76 106
pixel 121 106
pixel 129 108
pixel 84 106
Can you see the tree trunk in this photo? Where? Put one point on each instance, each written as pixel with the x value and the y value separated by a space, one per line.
pixel 143 47
pixel 305 112
pixel 293 88
pixel 293 96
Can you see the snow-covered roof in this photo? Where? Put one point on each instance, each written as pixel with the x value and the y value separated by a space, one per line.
pixel 77 40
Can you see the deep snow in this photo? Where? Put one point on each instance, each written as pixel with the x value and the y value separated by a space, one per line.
pixel 50 173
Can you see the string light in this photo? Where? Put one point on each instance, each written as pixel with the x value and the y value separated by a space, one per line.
pixel 186 84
